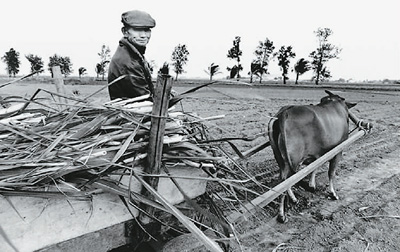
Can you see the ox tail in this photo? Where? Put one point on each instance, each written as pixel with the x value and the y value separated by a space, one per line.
pixel 283 144
pixel 273 134
pixel 277 136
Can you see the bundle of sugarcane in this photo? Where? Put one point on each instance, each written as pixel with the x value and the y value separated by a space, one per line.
pixel 90 141
pixel 45 145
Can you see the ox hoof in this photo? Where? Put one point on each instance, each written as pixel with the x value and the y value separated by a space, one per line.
pixel 311 189
pixel 306 186
pixel 294 200
pixel 333 196
pixel 282 219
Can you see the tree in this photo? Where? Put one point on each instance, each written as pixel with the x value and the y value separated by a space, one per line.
pixel 284 54
pixel 81 71
pixel 36 62
pixel 234 71
pixel 323 54
pixel 179 59
pixel 263 52
pixel 235 53
pixel 301 67
pixel 11 59
pixel 325 74
pixel 255 69
pixel 101 68
pixel 212 70
pixel 64 63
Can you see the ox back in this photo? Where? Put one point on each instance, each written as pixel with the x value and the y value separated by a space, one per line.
pixel 301 134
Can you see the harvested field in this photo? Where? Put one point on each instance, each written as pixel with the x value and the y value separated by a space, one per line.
pixel 367 216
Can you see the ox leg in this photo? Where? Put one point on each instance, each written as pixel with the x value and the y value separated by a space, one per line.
pixel 332 174
pixel 282 218
pixel 311 182
pixel 282 215
pixel 291 195
pixel 284 202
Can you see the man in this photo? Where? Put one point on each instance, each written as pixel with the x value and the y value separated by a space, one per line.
pixel 129 57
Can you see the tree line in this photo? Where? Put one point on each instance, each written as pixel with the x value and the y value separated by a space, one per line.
pixel 264 53
pixel 12 61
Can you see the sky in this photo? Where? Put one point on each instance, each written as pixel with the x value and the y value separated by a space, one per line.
pixel 368 32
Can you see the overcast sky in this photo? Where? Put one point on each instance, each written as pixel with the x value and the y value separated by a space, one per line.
pixel 368 32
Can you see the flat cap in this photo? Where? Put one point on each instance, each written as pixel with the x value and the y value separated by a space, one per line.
pixel 137 19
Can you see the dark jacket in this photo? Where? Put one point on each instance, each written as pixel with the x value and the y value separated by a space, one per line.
pixel 128 60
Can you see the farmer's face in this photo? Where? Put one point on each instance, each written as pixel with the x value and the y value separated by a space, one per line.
pixel 138 36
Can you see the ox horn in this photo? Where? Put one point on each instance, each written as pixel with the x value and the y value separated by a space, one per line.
pixel 329 92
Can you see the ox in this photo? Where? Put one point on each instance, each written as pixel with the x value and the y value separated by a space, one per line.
pixel 301 134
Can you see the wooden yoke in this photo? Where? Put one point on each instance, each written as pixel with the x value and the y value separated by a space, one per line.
pixel 360 123
pixel 161 95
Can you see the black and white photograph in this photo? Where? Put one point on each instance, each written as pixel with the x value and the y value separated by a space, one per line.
pixel 223 126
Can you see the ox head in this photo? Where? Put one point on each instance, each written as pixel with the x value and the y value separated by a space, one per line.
pixel 334 97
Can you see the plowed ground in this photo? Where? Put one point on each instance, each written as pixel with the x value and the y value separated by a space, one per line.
pixel 367 215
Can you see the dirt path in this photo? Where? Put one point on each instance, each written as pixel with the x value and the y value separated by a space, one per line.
pixel 366 218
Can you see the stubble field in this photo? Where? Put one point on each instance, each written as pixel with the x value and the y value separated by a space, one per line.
pixel 367 216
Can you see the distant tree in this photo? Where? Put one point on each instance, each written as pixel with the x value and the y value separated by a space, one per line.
pixel 255 69
pixel 101 69
pixel 11 59
pixel 284 55
pixel 179 59
pixel 66 66
pixel 36 62
pixel 64 63
pixel 212 70
pixel 104 60
pixel 263 53
pixel 325 74
pixel 323 54
pixel 235 53
pixel 81 71
pixel 301 67
pixel 234 72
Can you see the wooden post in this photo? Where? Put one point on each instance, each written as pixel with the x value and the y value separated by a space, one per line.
pixel 273 193
pixel 60 87
pixel 162 92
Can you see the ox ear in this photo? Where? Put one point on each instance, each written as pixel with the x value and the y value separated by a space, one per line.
pixel 329 92
pixel 350 105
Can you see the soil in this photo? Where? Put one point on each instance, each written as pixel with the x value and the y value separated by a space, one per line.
pixel 367 215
